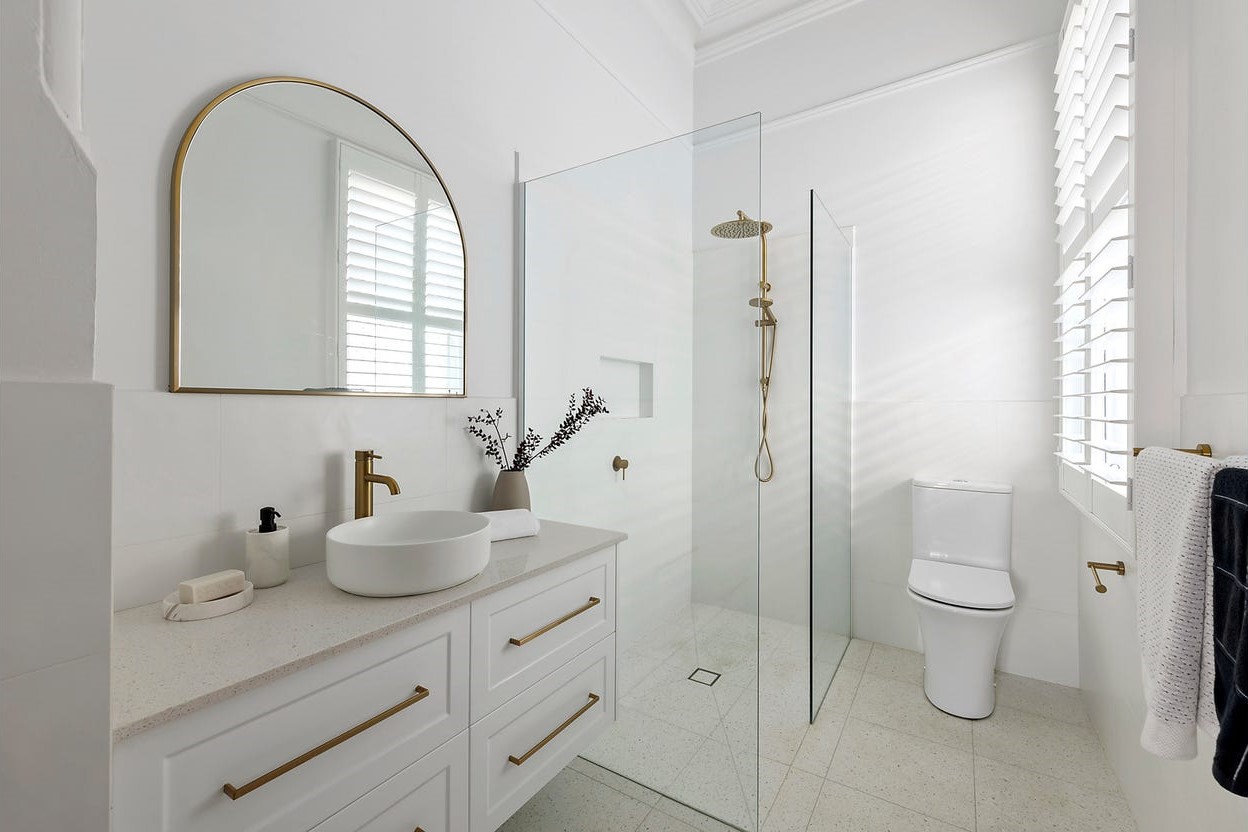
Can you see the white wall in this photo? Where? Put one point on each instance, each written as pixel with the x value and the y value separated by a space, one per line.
pixel 1190 176
pixel 55 441
pixel 945 177
pixel 472 82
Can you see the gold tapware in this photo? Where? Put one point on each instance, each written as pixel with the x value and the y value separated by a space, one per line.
pixel 740 229
pixel 365 479
pixel 620 464
pixel 1117 567
pixel 520 641
pixel 523 758
pixel 235 792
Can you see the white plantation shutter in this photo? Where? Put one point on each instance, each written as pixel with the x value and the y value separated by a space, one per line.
pixel 1093 306
pixel 444 302
pixel 402 310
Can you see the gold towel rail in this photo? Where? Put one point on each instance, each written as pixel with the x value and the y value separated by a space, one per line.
pixel 1200 450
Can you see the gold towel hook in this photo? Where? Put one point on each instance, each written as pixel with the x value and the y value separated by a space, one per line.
pixel 1118 568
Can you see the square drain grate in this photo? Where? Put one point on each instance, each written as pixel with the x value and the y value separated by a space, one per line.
pixel 704 677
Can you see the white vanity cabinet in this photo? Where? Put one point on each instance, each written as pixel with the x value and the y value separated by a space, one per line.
pixel 447 724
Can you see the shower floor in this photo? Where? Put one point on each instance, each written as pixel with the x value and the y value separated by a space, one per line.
pixel 698 743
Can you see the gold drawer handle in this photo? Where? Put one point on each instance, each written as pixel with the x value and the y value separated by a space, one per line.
pixel 523 758
pixel 589 605
pixel 235 792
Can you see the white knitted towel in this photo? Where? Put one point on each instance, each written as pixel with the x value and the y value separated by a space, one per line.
pixel 1174 567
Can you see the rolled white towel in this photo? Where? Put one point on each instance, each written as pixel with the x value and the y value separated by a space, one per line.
pixel 513 523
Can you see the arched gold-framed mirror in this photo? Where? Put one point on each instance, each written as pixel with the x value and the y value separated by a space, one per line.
pixel 314 250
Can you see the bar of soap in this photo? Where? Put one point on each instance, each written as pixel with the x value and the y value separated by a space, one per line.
pixel 211 587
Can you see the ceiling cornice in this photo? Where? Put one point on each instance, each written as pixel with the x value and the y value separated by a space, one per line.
pixel 750 22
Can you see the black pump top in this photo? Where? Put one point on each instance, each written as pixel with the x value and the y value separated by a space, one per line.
pixel 267 521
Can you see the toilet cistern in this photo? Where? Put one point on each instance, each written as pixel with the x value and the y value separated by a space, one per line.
pixel 365 479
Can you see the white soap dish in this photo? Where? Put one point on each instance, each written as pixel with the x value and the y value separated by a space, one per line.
pixel 173 610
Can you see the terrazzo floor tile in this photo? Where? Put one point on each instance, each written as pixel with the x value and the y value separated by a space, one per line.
pixel 645 749
pixel 793 805
pixel 895 663
pixel 856 654
pixel 770 777
pixel 1041 698
pixel 1012 799
pixel 691 817
pixel 712 784
pixel 927 777
pixel 1068 752
pixel 609 778
pixel 903 707
pixel 842 809
pixel 814 755
pixel 572 802
pixel 656 821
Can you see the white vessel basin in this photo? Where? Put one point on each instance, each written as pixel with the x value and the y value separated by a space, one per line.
pixel 407 554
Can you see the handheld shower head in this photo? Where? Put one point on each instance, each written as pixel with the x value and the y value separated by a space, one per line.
pixel 741 228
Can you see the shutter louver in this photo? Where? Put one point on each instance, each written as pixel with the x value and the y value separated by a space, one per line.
pixel 1093 305
pixel 402 283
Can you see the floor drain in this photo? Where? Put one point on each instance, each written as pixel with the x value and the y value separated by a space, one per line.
pixel 704 677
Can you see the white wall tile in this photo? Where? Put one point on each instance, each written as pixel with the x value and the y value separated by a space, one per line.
pixel 55 739
pixel 55 459
pixel 167 466
pixel 292 452
pixel 143 573
pixel 883 612
pixel 1042 645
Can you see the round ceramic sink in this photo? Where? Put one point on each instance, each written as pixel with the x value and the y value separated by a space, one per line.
pixel 407 554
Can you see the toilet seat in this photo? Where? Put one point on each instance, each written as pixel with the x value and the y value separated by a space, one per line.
pixel 973 587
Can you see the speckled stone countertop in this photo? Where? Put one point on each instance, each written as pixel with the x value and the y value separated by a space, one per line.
pixel 163 669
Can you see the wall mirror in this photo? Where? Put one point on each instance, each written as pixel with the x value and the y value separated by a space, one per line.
pixel 315 250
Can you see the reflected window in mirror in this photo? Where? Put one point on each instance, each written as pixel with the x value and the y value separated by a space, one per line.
pixel 402 270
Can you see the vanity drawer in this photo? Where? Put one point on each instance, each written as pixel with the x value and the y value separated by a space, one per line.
pixel 300 748
pixel 519 747
pixel 525 631
pixel 430 795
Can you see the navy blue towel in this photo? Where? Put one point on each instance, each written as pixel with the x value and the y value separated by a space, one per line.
pixel 1230 627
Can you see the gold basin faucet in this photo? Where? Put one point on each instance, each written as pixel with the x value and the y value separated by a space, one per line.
pixel 365 479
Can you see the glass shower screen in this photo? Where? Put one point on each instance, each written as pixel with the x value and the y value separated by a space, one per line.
pixel 831 275
pixel 627 291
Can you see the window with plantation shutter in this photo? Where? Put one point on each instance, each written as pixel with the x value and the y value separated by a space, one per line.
pixel 401 304
pixel 1093 305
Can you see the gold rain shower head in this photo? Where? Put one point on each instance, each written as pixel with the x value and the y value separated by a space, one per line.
pixel 741 228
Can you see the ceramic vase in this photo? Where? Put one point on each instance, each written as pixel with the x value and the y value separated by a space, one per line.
pixel 511 490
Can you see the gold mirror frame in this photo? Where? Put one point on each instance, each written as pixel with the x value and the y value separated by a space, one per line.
pixel 175 249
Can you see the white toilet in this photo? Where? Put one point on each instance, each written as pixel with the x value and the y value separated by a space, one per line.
pixel 960 585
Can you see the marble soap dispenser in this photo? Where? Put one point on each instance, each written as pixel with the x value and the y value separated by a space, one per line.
pixel 268 551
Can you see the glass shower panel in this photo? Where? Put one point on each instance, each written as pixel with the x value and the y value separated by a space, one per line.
pixel 627 292
pixel 831 275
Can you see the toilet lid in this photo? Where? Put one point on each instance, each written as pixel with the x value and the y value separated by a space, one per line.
pixel 963 586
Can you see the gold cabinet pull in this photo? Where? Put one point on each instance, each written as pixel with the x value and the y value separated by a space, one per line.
pixel 1118 568
pixel 523 640
pixel 523 758
pixel 235 792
